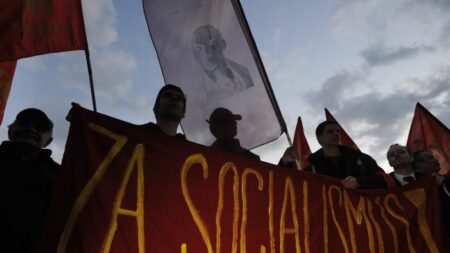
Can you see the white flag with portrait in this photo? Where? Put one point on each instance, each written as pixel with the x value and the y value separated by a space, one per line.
pixel 205 47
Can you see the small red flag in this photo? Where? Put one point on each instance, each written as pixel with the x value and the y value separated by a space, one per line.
pixel 6 76
pixel 301 144
pixel 37 27
pixel 427 132
pixel 345 138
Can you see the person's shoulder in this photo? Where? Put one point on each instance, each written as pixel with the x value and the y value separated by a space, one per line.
pixel 252 155
pixel 354 152
pixel 316 154
pixel 155 127
pixel 150 125
pixel 348 150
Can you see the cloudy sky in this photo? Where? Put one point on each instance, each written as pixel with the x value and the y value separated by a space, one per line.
pixel 369 62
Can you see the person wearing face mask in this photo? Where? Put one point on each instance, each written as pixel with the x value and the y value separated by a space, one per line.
pixel 27 176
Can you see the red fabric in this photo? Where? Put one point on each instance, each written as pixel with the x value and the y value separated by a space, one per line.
pixel 40 26
pixel 6 76
pixel 345 138
pixel 390 182
pixel 280 209
pixel 427 132
pixel 301 144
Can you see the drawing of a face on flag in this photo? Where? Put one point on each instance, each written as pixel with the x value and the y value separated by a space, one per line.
pixel 223 77
pixel 204 48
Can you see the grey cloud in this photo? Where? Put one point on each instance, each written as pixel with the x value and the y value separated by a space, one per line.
pixel 445 35
pixel 332 90
pixel 379 55
pixel 443 5
pixel 390 116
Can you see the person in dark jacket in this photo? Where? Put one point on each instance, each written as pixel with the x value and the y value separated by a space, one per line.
pixel 169 109
pixel 223 125
pixel 354 168
pixel 27 176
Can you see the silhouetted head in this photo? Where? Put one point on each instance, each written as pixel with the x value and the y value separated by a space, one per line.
pixel 170 103
pixel 223 123
pixel 32 126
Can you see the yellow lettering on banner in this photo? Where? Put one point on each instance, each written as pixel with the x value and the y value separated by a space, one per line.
pixel 191 161
pixel 376 225
pixel 333 213
pixel 388 223
pixel 305 215
pixel 137 160
pixel 325 219
pixel 262 249
pixel 90 186
pixel 395 199
pixel 289 192
pixel 270 211
pixel 223 172
pixel 359 214
pixel 183 248
pixel 247 171
pixel 419 199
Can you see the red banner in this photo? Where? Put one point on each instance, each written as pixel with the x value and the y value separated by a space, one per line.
pixel 6 76
pixel 301 144
pixel 345 138
pixel 427 132
pixel 34 27
pixel 125 188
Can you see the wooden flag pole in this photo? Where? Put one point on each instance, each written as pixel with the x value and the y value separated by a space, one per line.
pixel 91 80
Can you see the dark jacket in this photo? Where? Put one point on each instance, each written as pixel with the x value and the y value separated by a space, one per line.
pixel 234 147
pixel 445 200
pixel 350 163
pixel 417 175
pixel 25 191
pixel 155 127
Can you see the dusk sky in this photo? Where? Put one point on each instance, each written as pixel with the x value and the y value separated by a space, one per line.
pixel 369 62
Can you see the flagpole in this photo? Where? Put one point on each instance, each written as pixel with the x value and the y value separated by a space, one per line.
pixel 243 20
pixel 297 163
pixel 91 80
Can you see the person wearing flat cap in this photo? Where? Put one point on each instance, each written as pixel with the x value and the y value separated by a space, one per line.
pixel 223 125
pixel 27 175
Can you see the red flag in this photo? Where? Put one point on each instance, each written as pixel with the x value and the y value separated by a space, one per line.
pixel 345 138
pixel 427 132
pixel 301 144
pixel 6 76
pixel 37 27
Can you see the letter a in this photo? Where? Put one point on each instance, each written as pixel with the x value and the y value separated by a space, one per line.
pixel 136 159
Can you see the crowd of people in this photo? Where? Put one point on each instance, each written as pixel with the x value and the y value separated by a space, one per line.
pixel 28 173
